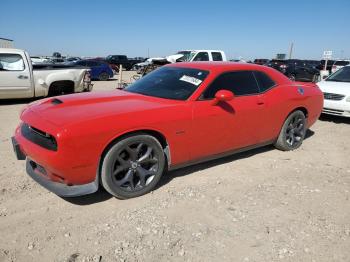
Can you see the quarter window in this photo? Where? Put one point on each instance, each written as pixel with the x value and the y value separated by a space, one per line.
pixel 216 56
pixel 201 56
pixel 240 83
pixel 264 81
pixel 11 62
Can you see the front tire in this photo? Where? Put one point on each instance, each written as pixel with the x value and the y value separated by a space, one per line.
pixel 133 166
pixel 293 132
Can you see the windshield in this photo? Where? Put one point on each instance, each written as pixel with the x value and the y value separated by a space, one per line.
pixel 169 82
pixel 187 55
pixel 342 75
pixel 341 63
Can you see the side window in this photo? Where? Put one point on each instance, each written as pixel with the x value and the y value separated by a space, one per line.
pixel 81 63
pixel 240 83
pixel 264 81
pixel 91 63
pixel 216 56
pixel 201 56
pixel 11 62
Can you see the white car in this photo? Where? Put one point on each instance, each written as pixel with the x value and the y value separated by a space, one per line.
pixel 39 60
pixel 336 91
pixel 20 78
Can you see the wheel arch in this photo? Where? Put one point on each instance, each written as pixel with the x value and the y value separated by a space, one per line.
pixel 302 109
pixel 65 85
pixel 155 133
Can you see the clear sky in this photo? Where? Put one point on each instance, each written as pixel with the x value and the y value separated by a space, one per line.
pixel 250 28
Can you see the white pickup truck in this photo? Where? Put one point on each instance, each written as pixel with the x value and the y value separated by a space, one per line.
pixel 19 78
pixel 202 55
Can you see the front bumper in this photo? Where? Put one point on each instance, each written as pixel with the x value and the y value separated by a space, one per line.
pixel 338 108
pixel 63 190
pixel 39 174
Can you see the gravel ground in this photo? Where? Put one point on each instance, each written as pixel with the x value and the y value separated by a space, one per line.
pixel 262 205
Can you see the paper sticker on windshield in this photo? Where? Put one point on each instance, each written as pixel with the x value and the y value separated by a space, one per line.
pixel 191 80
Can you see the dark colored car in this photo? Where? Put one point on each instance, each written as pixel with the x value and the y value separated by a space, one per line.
pixel 99 70
pixel 330 64
pixel 261 61
pixel 277 64
pixel 122 60
pixel 301 72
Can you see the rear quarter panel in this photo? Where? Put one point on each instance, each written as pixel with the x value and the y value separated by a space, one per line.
pixel 286 98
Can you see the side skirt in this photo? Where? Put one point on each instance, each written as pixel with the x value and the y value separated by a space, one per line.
pixel 221 155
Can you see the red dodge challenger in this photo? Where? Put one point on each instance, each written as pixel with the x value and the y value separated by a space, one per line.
pixel 178 115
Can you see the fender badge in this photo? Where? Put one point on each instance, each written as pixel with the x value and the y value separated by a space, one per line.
pixel 301 90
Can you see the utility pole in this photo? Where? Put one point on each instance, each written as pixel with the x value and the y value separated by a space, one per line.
pixel 291 50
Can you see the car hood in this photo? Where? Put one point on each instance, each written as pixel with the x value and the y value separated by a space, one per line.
pixel 68 109
pixel 342 88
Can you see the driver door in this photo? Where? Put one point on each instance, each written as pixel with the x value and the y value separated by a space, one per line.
pixel 229 125
pixel 15 77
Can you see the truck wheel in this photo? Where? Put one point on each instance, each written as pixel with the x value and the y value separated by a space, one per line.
pixel 103 76
pixel 61 88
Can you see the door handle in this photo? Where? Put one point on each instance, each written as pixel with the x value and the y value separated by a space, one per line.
pixel 22 77
pixel 260 103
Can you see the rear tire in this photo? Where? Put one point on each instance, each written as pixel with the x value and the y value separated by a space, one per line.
pixel 133 166
pixel 293 132
pixel 103 76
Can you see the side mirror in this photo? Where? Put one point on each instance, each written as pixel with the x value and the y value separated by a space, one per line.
pixel 324 77
pixel 223 96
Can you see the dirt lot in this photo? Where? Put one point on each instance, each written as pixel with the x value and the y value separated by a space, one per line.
pixel 263 205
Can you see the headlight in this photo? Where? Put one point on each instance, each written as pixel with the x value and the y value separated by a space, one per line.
pixel 348 99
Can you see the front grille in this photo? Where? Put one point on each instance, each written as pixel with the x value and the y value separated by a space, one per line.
pixel 39 137
pixel 332 96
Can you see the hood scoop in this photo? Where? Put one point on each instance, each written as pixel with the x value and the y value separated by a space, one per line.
pixel 56 101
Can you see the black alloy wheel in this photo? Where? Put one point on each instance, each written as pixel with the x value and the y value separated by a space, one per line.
pixel 293 132
pixel 133 166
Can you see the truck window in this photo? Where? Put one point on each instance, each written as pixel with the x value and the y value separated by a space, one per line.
pixel 201 56
pixel 216 56
pixel 11 62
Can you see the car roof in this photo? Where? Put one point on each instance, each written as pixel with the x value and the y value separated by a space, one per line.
pixel 220 67
pixel 200 50
pixel 9 50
